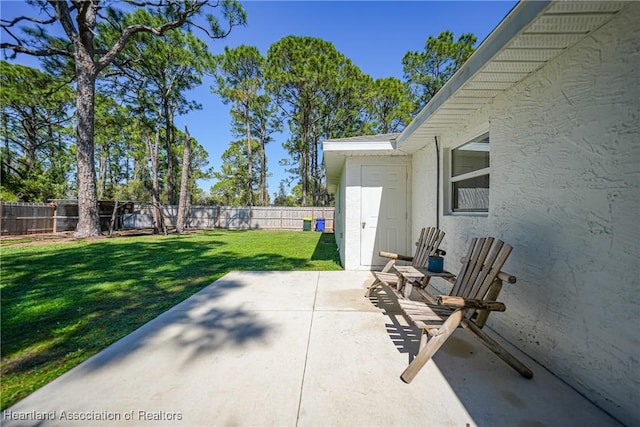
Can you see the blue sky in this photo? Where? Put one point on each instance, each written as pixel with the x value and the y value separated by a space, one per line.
pixel 373 34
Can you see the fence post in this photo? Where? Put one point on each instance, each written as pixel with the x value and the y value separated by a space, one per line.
pixel 55 219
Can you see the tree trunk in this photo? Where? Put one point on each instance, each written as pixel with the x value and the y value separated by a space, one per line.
pixel 168 137
pixel 313 148
pixel 7 157
pixel 88 216
pixel 102 175
pixel 304 158
pixel 183 203
pixel 264 194
pixel 250 158
pixel 155 189
pixel 264 137
pixel 30 129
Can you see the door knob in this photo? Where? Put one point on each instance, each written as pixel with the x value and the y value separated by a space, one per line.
pixel 363 224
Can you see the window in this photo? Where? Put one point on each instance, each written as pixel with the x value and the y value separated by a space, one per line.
pixel 470 176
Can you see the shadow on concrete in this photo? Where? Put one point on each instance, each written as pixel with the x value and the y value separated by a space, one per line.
pixel 79 299
pixel 404 336
pixel 196 327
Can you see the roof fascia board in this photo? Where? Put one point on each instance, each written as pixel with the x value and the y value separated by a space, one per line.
pixel 357 146
pixel 521 16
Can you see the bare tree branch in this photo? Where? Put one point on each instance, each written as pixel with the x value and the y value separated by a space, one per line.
pixel 213 36
pixel 7 23
pixel 41 52
pixel 128 32
pixel 146 3
pixel 13 36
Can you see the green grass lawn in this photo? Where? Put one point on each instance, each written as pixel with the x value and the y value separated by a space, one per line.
pixel 64 302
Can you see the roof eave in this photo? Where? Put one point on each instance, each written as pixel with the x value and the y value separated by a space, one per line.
pixel 521 16
pixel 335 153
pixel 337 145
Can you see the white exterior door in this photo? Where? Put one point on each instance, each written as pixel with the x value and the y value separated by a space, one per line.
pixel 383 212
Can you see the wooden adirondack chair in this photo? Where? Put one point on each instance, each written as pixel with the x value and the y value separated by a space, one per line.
pixel 426 246
pixel 468 305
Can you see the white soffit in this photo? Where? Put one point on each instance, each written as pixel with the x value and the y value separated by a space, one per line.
pixel 532 34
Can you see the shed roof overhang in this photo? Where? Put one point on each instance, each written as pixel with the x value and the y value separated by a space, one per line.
pixel 533 33
pixel 335 152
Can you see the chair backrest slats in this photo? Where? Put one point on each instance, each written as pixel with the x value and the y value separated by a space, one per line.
pixel 475 285
pixel 493 271
pixel 484 261
pixel 437 242
pixel 421 245
pixel 463 270
pixel 427 245
pixel 482 250
pixel 467 268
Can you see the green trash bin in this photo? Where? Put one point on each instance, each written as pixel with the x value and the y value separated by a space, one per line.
pixel 306 225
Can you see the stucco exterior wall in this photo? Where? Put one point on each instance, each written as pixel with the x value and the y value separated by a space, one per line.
pixel 340 217
pixel 424 202
pixel 352 198
pixel 565 192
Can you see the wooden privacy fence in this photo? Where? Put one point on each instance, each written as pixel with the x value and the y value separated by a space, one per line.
pixel 235 218
pixel 30 218
pixel 26 218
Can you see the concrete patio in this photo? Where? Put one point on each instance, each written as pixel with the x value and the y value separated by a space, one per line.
pixel 297 348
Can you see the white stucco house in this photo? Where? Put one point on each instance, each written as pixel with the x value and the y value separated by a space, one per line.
pixel 535 140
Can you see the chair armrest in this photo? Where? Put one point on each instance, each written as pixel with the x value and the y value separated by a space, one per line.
pixel 506 277
pixel 395 256
pixel 459 302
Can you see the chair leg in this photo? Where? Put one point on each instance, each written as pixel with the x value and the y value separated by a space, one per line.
pixel 432 346
pixel 424 339
pixel 492 295
pixel 503 354
pixel 374 285
pixel 378 283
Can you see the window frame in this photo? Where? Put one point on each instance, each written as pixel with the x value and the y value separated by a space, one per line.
pixel 452 180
